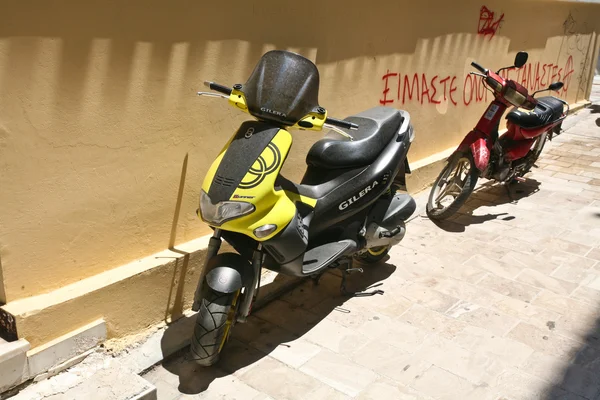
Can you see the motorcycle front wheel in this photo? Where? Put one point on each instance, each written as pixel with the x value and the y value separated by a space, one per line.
pixel 452 187
pixel 214 321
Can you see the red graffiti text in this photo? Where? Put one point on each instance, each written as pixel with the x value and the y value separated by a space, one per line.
pixel 487 25
pixel 536 76
pixel 474 90
pixel 424 89
pixel 421 88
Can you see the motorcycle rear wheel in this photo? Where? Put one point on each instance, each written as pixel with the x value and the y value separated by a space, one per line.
pixel 373 255
pixel 457 180
pixel 534 153
pixel 214 321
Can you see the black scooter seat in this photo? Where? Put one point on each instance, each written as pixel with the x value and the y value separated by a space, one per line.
pixel 376 128
pixel 547 110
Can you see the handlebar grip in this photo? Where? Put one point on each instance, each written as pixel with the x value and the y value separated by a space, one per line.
pixel 218 88
pixel 479 67
pixel 341 124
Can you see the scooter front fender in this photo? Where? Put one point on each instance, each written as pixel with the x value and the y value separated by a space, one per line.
pixel 481 154
pixel 468 140
pixel 227 272
pixel 468 143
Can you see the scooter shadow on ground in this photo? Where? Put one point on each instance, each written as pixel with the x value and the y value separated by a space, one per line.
pixel 489 194
pixel 595 109
pixel 277 326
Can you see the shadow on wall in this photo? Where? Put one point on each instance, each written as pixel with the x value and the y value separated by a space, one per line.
pixel 192 31
pixel 175 300
pixel 117 78
pixel 2 293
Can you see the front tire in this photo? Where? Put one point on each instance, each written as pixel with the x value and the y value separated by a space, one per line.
pixel 452 187
pixel 214 321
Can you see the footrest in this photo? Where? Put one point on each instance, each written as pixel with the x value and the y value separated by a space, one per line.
pixel 320 257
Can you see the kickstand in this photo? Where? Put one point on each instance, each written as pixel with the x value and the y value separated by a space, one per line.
pixel 508 192
pixel 365 293
pixel 316 279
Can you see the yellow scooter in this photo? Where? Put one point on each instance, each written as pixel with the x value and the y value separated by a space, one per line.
pixel 346 206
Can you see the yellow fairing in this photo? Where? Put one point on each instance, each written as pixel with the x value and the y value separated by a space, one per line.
pixel 312 121
pixel 258 187
pixel 238 100
pixel 315 119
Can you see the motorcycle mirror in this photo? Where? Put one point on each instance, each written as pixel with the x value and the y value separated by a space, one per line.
pixel 521 59
pixel 556 86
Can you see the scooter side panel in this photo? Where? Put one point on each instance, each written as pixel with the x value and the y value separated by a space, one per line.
pixel 517 142
pixel 355 194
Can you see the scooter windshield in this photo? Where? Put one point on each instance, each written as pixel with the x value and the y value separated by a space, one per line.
pixel 283 88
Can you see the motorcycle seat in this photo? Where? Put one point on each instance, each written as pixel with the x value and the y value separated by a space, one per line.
pixel 547 110
pixel 376 128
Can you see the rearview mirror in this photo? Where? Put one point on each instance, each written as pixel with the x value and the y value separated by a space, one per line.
pixel 556 86
pixel 521 59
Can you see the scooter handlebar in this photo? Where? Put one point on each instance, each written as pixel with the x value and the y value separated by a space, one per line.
pixel 479 67
pixel 341 124
pixel 331 121
pixel 218 88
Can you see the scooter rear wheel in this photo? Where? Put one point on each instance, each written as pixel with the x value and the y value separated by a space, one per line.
pixel 373 255
pixel 534 153
pixel 213 325
pixel 452 187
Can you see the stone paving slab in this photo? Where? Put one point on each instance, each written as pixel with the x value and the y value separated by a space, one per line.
pixel 501 302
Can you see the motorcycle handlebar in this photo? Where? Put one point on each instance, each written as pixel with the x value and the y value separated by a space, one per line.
pixel 218 88
pixel 331 121
pixel 341 124
pixel 479 67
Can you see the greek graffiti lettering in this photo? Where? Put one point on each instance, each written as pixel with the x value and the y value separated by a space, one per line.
pixel 424 89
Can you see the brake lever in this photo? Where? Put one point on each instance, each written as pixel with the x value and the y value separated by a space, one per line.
pixel 478 74
pixel 212 94
pixel 339 131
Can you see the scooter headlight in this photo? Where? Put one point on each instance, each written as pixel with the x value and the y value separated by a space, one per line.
pixel 494 84
pixel 516 98
pixel 223 211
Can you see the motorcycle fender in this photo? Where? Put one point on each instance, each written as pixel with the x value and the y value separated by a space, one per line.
pixel 466 144
pixel 481 154
pixel 228 272
pixel 468 141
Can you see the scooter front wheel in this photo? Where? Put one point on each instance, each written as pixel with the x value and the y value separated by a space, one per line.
pixel 214 321
pixel 452 187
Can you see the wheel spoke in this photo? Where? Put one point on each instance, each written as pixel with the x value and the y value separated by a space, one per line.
pixel 449 185
pixel 441 196
pixel 456 187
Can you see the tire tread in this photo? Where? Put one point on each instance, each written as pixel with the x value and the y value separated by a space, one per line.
pixel 459 200
pixel 210 326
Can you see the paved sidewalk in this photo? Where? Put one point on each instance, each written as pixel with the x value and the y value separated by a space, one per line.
pixel 500 303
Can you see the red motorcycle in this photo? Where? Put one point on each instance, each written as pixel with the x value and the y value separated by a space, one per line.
pixel 483 153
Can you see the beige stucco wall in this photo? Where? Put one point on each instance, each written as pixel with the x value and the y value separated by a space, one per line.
pixel 103 143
